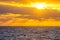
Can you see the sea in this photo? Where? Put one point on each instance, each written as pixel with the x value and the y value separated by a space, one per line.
pixel 29 33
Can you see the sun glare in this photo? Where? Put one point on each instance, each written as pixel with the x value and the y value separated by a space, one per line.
pixel 39 5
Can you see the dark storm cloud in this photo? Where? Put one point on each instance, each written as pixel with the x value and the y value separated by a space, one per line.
pixel 52 13
pixel 32 12
pixel 10 9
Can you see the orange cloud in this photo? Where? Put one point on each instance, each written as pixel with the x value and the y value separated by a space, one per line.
pixel 12 15
pixel 10 20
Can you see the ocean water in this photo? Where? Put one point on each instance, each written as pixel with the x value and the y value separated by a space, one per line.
pixel 29 33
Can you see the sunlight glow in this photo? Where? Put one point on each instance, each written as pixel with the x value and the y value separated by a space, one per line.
pixel 26 16
pixel 39 5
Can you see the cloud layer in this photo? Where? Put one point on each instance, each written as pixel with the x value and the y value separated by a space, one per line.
pixel 31 12
pixel 28 16
pixel 29 1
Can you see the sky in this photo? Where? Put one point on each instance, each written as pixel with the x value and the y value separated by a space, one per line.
pixel 28 13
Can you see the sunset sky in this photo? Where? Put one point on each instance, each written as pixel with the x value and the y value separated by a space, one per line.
pixel 29 12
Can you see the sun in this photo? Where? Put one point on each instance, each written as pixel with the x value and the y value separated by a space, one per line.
pixel 39 5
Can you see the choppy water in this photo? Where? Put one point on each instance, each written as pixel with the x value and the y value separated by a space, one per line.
pixel 29 33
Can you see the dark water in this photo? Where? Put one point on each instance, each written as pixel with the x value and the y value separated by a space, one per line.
pixel 29 33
